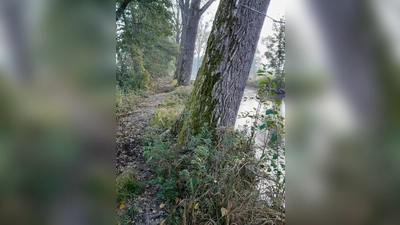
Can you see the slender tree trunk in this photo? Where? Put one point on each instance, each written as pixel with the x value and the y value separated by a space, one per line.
pixel 188 50
pixel 185 18
pixel 178 37
pixel 190 23
pixel 178 26
pixel 222 76
pixel 13 14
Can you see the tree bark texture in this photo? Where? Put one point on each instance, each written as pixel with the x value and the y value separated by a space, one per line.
pixel 222 77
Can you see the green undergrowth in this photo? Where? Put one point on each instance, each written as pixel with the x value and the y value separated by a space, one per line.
pixel 128 186
pixel 209 183
pixel 126 99
pixel 127 189
pixel 166 112
pixel 177 97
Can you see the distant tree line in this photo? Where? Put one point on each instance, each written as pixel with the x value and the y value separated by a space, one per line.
pixel 146 48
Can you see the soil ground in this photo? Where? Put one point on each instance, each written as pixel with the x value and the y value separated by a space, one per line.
pixel 130 127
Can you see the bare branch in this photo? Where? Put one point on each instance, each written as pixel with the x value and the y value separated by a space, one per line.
pixel 276 21
pixel 205 7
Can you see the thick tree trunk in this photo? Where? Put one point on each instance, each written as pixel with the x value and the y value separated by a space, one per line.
pixel 222 77
pixel 358 57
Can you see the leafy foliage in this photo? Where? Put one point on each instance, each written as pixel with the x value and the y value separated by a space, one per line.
pixel 276 54
pixel 145 47
pixel 222 181
pixel 269 126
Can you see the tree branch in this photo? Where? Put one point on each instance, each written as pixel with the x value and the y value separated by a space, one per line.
pixel 276 21
pixel 205 7
pixel 122 8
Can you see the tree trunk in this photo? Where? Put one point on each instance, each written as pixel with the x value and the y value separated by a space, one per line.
pixel 178 26
pixel 222 76
pixel 190 43
pixel 184 13
pixel 12 13
pixel 190 21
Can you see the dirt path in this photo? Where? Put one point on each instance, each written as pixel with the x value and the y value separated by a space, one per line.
pixel 130 128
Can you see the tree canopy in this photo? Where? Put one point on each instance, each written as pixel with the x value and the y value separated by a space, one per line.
pixel 275 53
pixel 145 44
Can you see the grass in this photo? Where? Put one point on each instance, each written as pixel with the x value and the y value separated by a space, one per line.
pixel 125 100
pixel 165 114
pixel 127 186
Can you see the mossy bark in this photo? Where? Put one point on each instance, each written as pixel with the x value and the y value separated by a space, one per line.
pixel 141 77
pixel 222 77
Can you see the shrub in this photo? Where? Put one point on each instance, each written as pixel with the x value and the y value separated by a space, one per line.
pixel 211 182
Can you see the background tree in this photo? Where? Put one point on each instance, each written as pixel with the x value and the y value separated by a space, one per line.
pixel 222 77
pixel 191 14
pixel 276 54
pixel 177 22
pixel 201 42
pixel 256 64
pixel 145 43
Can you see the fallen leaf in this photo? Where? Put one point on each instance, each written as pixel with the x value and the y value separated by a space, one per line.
pixel 162 206
pixel 177 200
pixel 224 211
pixel 122 206
pixel 196 206
pixel 163 221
